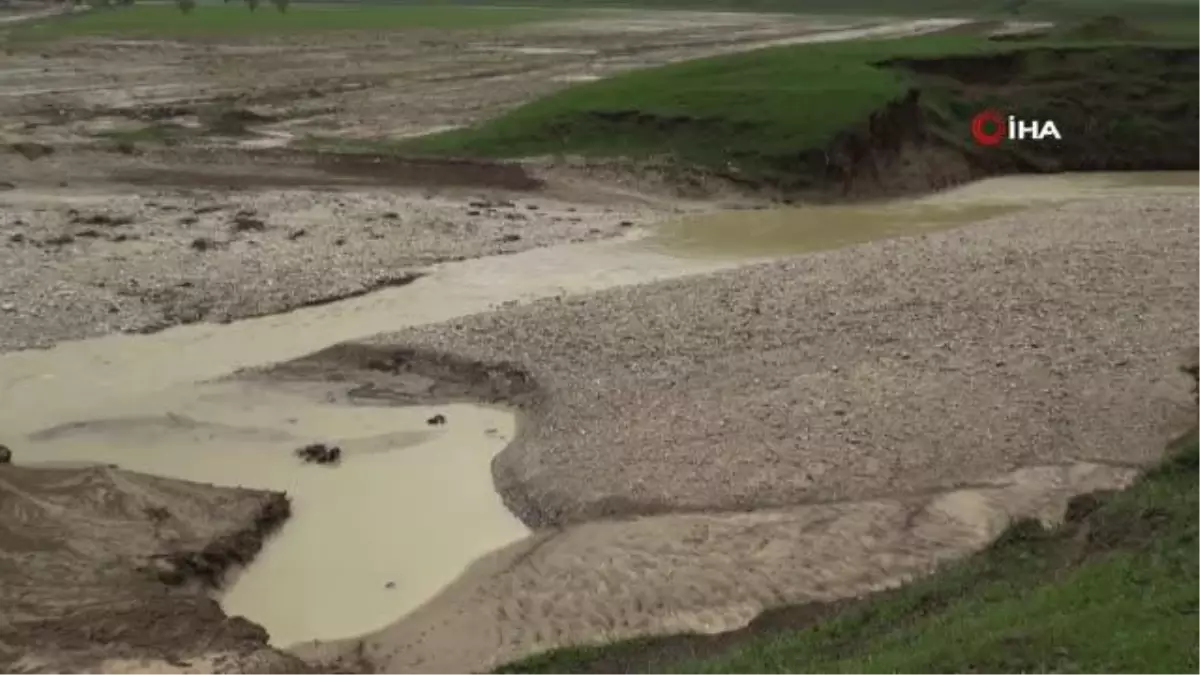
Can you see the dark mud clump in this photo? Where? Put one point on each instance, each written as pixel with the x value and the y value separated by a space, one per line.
pixel 319 453
pixel 209 564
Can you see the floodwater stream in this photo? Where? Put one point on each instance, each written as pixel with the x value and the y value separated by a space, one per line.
pixel 410 505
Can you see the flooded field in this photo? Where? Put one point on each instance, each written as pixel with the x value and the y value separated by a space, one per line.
pixel 411 505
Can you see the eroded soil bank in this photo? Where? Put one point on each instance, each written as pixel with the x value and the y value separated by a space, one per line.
pixel 110 570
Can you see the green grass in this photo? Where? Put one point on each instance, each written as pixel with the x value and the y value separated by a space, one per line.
pixel 755 104
pixel 1029 9
pixel 1114 589
pixel 771 113
pixel 235 20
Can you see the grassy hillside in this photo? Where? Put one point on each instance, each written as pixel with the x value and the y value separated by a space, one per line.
pixel 1025 9
pixel 802 116
pixel 1114 589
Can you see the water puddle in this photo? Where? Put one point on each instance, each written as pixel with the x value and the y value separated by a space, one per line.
pixel 401 515
pixel 773 232
pixel 410 505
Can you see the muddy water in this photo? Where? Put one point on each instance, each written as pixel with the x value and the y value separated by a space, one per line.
pixel 418 498
pixel 411 505
pixel 766 233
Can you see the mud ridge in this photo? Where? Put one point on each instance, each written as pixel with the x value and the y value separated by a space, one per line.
pixel 408 376
pixel 228 552
pixel 327 167
pixel 100 560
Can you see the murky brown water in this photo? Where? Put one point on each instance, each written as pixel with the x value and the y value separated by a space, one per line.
pixel 772 232
pixel 410 505
pixel 405 511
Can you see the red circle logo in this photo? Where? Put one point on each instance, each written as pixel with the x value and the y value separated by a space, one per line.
pixel 988 127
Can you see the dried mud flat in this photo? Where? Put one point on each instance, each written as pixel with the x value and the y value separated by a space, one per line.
pixel 835 423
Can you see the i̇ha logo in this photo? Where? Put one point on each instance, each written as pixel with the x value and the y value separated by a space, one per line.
pixel 990 127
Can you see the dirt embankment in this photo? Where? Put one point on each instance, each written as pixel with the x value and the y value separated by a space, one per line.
pixel 104 570
pixel 1140 118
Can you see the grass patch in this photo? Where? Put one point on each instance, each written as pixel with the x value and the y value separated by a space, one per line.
pixel 1019 9
pixel 773 116
pixel 1114 589
pixel 235 20
pixel 762 104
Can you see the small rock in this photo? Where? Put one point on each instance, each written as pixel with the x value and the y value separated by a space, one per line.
pixel 319 453
pixel 60 240
pixel 189 220
pixel 391 215
pixel 625 223
pixel 532 207
pixel 244 222
pixel 5 455
pixel 510 237
pixel 296 234
pixel 203 243
pixel 390 584
pixel 8 307
pixel 104 219
pixel 473 212
pixel 30 150
pixel 436 420
pixel 340 241
pixel 16 237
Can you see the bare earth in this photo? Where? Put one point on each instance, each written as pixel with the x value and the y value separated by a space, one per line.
pixel 110 565
pixel 913 394
pixel 692 451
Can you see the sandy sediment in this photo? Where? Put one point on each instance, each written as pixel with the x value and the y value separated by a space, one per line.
pixel 900 366
pixel 228 238
pixel 102 565
pixel 816 428
pixel 701 573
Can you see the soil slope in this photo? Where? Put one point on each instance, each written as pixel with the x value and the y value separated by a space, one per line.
pixel 104 570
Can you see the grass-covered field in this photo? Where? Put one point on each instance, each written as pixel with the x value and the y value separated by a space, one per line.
pixel 1112 590
pixel 236 20
pixel 771 115
pixel 1025 9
